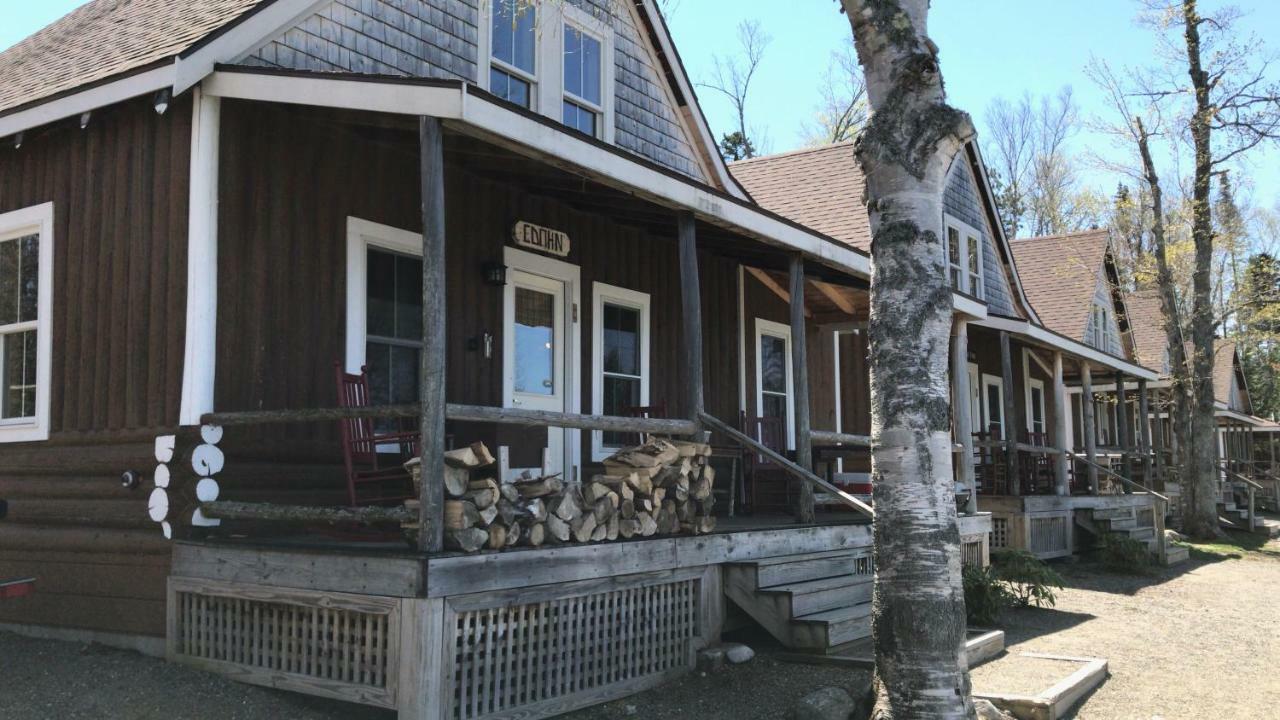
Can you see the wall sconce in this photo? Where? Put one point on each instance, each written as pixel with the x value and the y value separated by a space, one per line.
pixel 495 274
pixel 17 141
pixel 84 119
pixel 163 97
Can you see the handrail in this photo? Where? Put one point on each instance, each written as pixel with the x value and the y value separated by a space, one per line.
pixel 828 437
pixel 1239 477
pixel 803 473
pixel 460 413
pixel 1108 471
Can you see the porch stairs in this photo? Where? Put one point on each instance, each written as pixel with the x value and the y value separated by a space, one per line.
pixel 816 602
pixel 1123 521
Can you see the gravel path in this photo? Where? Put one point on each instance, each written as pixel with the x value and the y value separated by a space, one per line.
pixel 1183 643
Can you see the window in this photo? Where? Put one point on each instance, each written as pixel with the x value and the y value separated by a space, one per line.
pixel 620 342
pixel 582 107
pixel 993 405
pixel 26 275
pixel 964 257
pixel 513 64
pixel 773 375
pixel 1035 407
pixel 1098 336
pixel 384 310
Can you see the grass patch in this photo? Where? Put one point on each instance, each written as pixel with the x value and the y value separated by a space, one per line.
pixel 1233 546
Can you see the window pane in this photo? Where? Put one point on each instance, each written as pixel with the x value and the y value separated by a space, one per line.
pixel 774 406
pixel 590 69
pixel 995 408
pixel 587 122
pixel 18 399
pixel 513 33
pixel 621 340
pixel 381 291
pixel 570 114
pixel 573 60
pixel 534 342
pixel 509 87
pixel 953 246
pixel 408 321
pixel 975 255
pixel 619 395
pixel 503 29
pixel 525 40
pixel 10 281
pixel 773 364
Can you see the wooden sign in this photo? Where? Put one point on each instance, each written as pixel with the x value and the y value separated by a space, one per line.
pixel 536 237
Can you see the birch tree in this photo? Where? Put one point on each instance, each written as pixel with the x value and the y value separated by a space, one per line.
pixel 905 149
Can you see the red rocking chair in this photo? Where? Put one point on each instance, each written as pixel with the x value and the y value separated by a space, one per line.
pixel 371 479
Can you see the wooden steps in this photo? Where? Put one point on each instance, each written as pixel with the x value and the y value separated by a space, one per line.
pixel 813 602
pixel 1118 521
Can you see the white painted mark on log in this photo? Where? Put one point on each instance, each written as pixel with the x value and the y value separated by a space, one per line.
pixel 198 519
pixel 158 505
pixel 207 460
pixel 167 529
pixel 211 434
pixel 207 490
pixel 161 476
pixel 164 447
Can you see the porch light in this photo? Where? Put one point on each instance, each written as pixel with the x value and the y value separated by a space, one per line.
pixel 84 119
pixel 17 141
pixel 495 273
pixel 163 97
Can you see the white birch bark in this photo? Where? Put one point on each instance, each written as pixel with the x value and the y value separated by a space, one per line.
pixel 905 151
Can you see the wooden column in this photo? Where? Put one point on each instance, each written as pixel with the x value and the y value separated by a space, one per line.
pixel 1010 415
pixel 1122 430
pixel 800 381
pixel 1158 448
pixel 962 409
pixel 691 304
pixel 1089 427
pixel 1061 428
pixel 431 379
pixel 1144 433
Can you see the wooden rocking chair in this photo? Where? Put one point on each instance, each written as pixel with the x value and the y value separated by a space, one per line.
pixel 372 480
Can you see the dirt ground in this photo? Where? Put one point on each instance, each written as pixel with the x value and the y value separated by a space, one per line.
pixel 1187 642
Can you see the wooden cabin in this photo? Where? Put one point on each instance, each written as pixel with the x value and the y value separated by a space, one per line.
pixel 212 226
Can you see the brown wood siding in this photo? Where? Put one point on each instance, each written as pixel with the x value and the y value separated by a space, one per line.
pixel 119 190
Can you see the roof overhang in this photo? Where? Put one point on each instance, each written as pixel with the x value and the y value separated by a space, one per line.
pixel 1047 337
pixel 1229 414
pixel 469 110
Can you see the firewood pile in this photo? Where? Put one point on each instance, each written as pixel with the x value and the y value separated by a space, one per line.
pixel 659 488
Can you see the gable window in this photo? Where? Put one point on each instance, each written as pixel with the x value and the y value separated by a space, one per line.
pixel 1098 336
pixel 26 275
pixel 513 58
pixel 620 342
pixel 964 257
pixel 582 78
pixel 773 375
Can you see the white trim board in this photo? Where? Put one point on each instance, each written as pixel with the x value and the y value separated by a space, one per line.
pixel 632 299
pixel 1072 347
pixel 200 349
pixel 782 331
pixel 361 235
pixel 20 223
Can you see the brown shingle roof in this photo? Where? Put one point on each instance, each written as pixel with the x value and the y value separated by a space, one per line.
pixel 1146 324
pixel 103 38
pixel 820 188
pixel 1224 369
pixel 1059 273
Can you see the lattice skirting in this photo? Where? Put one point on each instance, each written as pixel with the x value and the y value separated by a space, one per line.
pixel 974 550
pixel 321 643
pixel 1049 534
pixel 999 533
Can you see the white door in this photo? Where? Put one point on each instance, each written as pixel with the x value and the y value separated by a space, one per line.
pixel 540 337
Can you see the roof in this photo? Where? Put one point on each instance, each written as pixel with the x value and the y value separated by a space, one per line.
pixel 1147 328
pixel 106 38
pixel 819 188
pixel 1059 275
pixel 1224 370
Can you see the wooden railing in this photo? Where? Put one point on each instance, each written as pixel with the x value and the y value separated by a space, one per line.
pixel 1113 474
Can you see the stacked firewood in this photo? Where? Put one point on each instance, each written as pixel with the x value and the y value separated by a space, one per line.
pixel 659 488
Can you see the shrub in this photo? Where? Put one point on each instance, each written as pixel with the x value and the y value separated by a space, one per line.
pixel 1028 580
pixel 1121 553
pixel 985 596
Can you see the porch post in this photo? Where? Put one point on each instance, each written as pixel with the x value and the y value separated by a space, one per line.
pixel 1090 430
pixel 1144 434
pixel 202 261
pixel 1122 430
pixel 431 379
pixel 961 409
pixel 1061 431
pixel 691 305
pixel 1010 430
pixel 800 378
pixel 1158 448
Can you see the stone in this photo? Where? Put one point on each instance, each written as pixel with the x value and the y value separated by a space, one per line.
pixel 986 711
pixel 828 703
pixel 1173 536
pixel 711 659
pixel 737 653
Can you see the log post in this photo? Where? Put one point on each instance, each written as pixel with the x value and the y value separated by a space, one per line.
pixel 1158 449
pixel 1122 431
pixel 431 381
pixel 962 409
pixel 800 381
pixel 1061 430
pixel 691 305
pixel 1144 433
pixel 1090 429
pixel 1010 412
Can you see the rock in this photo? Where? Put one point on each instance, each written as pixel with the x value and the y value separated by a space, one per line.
pixel 828 703
pixel 630 710
pixel 1173 536
pixel 987 711
pixel 711 659
pixel 737 653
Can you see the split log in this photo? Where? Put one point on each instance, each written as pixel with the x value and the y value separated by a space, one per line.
pixel 583 527
pixel 558 529
pixel 627 509
pixel 497 536
pixel 474 456
pixel 593 491
pixel 459 515
pixel 482 498
pixel 534 508
pixel 468 540
pixel 533 535
pixel 612 529
pixel 629 527
pixel 600 533
pixel 566 506
pixel 489 514
pixel 541 488
pixel 509 492
pixel 648 526
pixel 603 510
pixel 513 534
pixel 455 480
pixel 507 511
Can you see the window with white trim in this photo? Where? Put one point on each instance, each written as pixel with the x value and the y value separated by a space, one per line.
pixel 993 405
pixel 583 105
pixel 620 362
pixel 774 394
pixel 514 48
pixel 964 257
pixel 1098 336
pixel 1035 406
pixel 26 276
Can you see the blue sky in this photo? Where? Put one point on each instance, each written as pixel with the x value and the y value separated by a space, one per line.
pixel 989 48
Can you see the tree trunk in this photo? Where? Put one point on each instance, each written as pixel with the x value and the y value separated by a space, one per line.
pixel 1202 509
pixel 905 152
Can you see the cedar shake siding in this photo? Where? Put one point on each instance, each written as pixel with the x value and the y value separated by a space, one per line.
pixel 960 199
pixel 119 194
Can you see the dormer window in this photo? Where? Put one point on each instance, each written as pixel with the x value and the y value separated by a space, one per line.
pixel 513 64
pixel 1098 334
pixel 964 257
pixel 582 76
